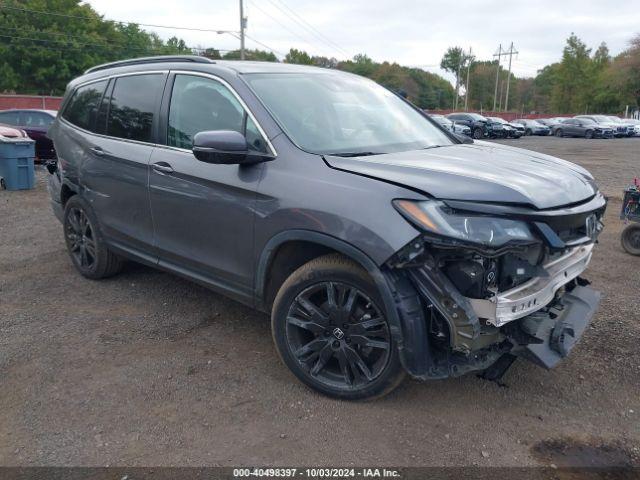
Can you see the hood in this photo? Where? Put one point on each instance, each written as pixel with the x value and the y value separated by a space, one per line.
pixel 482 172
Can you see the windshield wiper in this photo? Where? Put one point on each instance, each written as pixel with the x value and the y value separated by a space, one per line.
pixel 355 154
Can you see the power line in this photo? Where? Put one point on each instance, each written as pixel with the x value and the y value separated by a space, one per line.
pixel 265 45
pixel 279 22
pixel 84 17
pixel 104 45
pixel 310 27
pixel 300 22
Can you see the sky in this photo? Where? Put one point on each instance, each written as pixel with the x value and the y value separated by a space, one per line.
pixel 409 32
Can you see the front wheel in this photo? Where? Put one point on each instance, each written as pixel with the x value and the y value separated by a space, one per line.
pixel 559 133
pixel 588 134
pixel 478 133
pixel 631 239
pixel 528 132
pixel 330 329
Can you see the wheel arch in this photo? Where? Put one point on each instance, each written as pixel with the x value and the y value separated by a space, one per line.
pixel 304 245
pixel 401 302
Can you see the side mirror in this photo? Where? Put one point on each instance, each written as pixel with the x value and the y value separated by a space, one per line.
pixel 225 147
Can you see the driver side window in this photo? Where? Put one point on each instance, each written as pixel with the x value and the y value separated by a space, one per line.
pixel 201 104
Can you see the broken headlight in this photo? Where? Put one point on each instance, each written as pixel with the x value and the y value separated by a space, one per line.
pixel 435 217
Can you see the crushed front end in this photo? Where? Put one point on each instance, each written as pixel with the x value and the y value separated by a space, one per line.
pixel 494 282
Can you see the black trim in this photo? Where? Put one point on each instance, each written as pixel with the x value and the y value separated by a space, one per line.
pixel 148 60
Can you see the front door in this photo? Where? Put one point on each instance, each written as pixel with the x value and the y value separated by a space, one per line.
pixel 203 213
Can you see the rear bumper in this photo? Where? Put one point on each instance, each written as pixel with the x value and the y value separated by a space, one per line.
pixel 560 329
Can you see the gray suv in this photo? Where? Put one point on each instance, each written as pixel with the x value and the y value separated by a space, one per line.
pixel 379 242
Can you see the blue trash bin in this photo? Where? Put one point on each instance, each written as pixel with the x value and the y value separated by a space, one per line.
pixel 16 163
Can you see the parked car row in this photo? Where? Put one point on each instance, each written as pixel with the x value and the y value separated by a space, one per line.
pixel 35 123
pixel 587 126
pixel 479 126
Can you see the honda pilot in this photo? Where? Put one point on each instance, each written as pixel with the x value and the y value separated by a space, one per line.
pixel 379 243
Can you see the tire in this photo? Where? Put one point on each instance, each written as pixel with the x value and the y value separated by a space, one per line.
pixel 588 134
pixel 559 133
pixel 331 331
pixel 85 244
pixel 528 132
pixel 631 239
pixel 478 133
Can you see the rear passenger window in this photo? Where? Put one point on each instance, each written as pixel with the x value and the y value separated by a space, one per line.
pixel 83 106
pixel 134 102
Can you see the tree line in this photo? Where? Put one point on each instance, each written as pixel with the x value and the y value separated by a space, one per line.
pixel 583 81
pixel 40 53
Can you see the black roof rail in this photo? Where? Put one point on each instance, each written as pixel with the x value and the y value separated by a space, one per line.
pixel 144 60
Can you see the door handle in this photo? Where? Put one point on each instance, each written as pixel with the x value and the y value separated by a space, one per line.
pixel 162 167
pixel 97 151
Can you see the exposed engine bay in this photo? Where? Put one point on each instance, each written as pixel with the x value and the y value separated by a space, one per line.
pixel 485 305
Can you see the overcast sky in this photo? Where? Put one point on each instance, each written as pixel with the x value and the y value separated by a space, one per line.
pixel 410 32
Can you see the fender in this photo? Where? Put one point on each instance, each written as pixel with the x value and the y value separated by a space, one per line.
pixel 409 331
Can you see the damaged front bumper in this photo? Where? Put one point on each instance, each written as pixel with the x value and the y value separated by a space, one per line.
pixel 529 297
pixel 553 333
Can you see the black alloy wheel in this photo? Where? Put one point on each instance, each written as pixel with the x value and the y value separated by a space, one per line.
pixel 88 251
pixel 528 132
pixel 559 133
pixel 338 334
pixel 80 239
pixel 588 134
pixel 331 331
pixel 631 239
pixel 478 133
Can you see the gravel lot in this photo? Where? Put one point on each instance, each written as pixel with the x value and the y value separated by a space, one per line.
pixel 148 369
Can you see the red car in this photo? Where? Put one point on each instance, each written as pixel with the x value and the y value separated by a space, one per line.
pixel 36 123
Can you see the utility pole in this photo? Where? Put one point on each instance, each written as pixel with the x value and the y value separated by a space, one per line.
pixel 466 92
pixel 511 52
pixel 243 25
pixel 495 94
pixel 455 103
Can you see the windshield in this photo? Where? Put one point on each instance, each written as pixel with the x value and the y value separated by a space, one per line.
pixel 337 113
pixel 497 119
pixel 601 118
pixel 477 116
pixel 615 119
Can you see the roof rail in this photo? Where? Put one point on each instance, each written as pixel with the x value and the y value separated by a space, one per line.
pixel 144 60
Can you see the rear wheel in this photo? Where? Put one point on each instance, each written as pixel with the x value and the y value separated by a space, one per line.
pixel 331 330
pixel 85 244
pixel 588 134
pixel 559 133
pixel 631 239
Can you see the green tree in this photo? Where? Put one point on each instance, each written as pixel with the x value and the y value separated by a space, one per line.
pixel 44 52
pixel 256 55
pixel 455 61
pixel 573 78
pixel 298 56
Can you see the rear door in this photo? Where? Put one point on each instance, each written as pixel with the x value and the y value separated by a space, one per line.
pixel 204 213
pixel 116 173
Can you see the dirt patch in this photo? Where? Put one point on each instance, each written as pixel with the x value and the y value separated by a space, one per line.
pixel 570 452
pixel 147 369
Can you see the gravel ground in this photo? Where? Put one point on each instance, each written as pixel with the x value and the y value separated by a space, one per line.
pixel 148 369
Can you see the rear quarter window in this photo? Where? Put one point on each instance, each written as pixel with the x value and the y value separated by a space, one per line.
pixel 134 105
pixel 83 106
